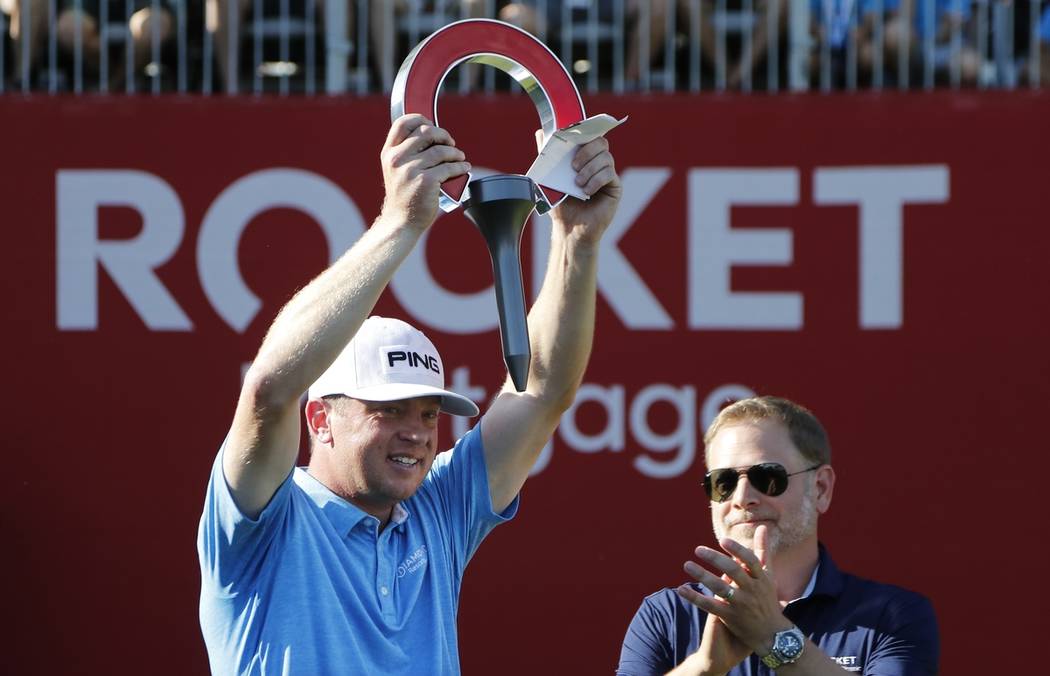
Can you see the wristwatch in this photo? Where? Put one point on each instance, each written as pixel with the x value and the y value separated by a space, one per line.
pixel 787 648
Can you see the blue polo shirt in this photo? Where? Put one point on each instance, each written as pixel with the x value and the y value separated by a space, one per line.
pixel 313 587
pixel 866 627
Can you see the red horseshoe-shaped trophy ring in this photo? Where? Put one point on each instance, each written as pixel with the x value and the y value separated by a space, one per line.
pixel 493 43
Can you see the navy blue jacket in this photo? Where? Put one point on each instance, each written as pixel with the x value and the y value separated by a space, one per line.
pixel 865 626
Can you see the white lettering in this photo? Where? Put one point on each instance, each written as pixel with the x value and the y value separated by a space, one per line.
pixel 618 282
pixel 129 263
pixel 243 200
pixel 683 437
pixel 611 438
pixel 414 562
pixel 881 193
pixel 714 247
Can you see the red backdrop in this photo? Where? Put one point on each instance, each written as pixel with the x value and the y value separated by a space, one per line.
pixel 915 326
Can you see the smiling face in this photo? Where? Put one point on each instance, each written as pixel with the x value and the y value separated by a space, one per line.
pixel 791 517
pixel 373 453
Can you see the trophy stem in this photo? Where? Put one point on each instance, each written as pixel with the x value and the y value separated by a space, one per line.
pixel 510 303
pixel 500 206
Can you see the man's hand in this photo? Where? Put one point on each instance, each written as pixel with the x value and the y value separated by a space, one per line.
pixel 417 158
pixel 747 603
pixel 596 175
pixel 719 650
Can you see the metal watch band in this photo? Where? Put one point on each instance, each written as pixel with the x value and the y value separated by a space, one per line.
pixel 771 661
pixel 777 657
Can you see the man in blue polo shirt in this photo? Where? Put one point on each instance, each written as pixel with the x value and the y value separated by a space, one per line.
pixel 774 600
pixel 353 564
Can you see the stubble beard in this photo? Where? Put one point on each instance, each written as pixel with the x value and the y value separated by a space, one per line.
pixel 786 533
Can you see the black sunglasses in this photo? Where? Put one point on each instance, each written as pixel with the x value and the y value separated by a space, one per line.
pixel 769 478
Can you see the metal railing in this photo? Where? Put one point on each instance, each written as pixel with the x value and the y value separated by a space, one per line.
pixel 355 46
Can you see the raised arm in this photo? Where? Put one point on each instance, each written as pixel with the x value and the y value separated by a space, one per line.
pixel 318 322
pixel 561 326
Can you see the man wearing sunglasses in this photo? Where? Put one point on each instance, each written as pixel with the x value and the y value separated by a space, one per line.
pixel 773 599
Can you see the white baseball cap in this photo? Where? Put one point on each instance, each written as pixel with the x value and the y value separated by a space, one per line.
pixel 389 360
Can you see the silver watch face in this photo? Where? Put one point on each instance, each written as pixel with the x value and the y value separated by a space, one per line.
pixel 789 644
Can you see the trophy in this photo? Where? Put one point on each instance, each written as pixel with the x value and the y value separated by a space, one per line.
pixel 500 205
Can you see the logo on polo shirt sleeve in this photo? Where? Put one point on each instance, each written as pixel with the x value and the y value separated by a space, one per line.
pixel 401 359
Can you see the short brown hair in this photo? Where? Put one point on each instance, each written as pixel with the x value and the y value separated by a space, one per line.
pixel 805 430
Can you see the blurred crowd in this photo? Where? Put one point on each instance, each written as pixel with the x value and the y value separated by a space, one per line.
pixel 619 45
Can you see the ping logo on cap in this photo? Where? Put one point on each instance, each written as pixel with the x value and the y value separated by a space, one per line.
pixel 402 359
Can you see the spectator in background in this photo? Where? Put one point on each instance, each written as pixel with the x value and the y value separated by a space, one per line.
pixel 1044 47
pixel 836 22
pixel 83 25
pixel 937 22
pixel 227 19
pixel 140 23
pixel 657 35
pixel 385 17
pixel 745 59
pixel 31 37
pixel 544 20
pixel 752 62
pixel 1014 67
